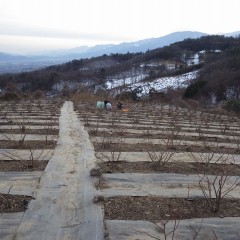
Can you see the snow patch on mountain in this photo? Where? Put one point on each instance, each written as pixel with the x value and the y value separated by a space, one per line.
pixel 116 82
pixel 161 84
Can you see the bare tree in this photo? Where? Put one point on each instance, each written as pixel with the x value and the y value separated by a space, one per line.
pixel 112 141
pixel 33 155
pixel 160 158
pixel 215 188
pixel 206 158
pixel 162 229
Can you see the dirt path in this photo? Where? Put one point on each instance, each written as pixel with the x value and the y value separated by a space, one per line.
pixel 63 207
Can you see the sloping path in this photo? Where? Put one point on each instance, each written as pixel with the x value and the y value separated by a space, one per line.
pixel 63 207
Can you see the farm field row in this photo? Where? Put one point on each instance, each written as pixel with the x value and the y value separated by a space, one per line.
pixel 146 180
pixel 28 135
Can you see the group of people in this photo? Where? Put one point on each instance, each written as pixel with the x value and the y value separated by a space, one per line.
pixel 108 105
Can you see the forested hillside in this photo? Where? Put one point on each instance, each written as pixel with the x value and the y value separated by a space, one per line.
pixel 218 59
pixel 219 79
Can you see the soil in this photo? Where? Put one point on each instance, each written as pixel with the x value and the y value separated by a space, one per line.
pixel 13 203
pixel 165 136
pixel 30 131
pixel 156 208
pixel 176 167
pixel 22 165
pixel 143 147
pixel 9 123
pixel 27 144
pixel 18 119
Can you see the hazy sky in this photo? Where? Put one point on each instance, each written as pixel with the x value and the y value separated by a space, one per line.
pixel 36 25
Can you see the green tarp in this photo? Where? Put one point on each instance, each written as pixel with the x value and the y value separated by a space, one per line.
pixel 100 104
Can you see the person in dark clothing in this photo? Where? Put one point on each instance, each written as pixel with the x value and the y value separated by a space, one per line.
pixel 105 102
pixel 119 106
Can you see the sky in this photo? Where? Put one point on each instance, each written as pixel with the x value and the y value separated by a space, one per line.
pixel 28 26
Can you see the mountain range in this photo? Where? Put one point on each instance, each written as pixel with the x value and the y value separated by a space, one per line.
pixel 122 48
pixel 61 56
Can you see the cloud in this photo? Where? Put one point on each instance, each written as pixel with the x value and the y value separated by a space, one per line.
pixel 25 30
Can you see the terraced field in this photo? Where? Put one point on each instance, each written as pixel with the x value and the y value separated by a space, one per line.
pixel 29 131
pixel 153 172
pixel 167 172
